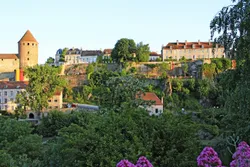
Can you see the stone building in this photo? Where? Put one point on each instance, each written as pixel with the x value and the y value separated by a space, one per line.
pixel 10 89
pixel 192 50
pixel 76 56
pixel 27 56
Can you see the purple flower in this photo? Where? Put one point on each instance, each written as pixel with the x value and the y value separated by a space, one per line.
pixel 143 162
pixel 241 156
pixel 125 163
pixel 208 158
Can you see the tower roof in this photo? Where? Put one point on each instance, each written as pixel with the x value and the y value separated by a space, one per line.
pixel 28 37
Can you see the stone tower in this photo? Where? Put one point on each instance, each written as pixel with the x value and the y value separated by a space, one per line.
pixel 28 50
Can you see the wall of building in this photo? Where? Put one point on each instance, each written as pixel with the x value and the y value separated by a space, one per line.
pixel 8 99
pixel 8 65
pixel 28 54
pixel 198 53
pixel 55 102
pixel 155 109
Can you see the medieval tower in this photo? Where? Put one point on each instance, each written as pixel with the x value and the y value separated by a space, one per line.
pixel 12 65
pixel 27 50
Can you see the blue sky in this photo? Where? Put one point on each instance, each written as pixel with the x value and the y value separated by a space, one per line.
pixel 98 24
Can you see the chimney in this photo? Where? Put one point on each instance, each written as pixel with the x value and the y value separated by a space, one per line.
pixel 177 42
pixel 186 42
pixel 209 43
pixel 199 42
pixel 162 100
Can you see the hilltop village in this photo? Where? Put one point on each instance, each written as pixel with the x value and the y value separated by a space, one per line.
pixel 181 60
pixel 128 106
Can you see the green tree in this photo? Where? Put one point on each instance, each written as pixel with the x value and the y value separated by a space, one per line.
pixel 142 52
pixel 50 60
pixel 184 67
pixel 43 82
pixel 120 92
pixel 123 50
pixel 62 56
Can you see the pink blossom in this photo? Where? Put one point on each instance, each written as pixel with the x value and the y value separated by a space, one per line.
pixel 125 163
pixel 208 158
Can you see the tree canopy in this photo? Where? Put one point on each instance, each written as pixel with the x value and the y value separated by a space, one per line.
pixel 123 50
pixel 44 80
pixel 142 52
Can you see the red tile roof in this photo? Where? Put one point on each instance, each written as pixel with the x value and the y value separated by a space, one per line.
pixel 107 51
pixel 28 37
pixel 149 96
pixel 57 93
pixel 8 56
pixel 154 54
pixel 13 84
pixel 189 45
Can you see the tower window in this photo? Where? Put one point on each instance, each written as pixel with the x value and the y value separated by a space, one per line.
pixel 28 52
pixel 28 58
pixel 28 43
pixel 32 44
pixel 23 43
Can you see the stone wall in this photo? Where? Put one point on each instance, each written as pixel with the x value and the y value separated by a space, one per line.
pixel 9 65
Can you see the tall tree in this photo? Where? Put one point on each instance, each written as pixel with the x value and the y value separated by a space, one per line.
pixel 50 60
pixel 43 82
pixel 142 52
pixel 123 50
pixel 232 24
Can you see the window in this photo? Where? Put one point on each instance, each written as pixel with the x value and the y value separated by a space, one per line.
pixel 28 52
pixel 0 100
pixel 11 99
pixel 28 58
pixel 5 100
pixel 28 43
pixel 23 43
pixel 5 93
pixel 156 110
pixel 11 93
pixel 6 107
pixel 55 100
pixel 32 44
pixel 56 106
pixel 49 100
pixel 13 108
pixel 0 93
pixel 17 92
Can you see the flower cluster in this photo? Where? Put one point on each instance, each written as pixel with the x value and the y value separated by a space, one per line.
pixel 241 156
pixel 125 163
pixel 208 158
pixel 142 162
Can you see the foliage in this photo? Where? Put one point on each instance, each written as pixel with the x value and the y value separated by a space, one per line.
pixel 43 82
pixel 142 52
pixel 50 60
pixel 119 92
pixel 62 56
pixel 51 124
pixel 185 68
pixel 123 50
pixel 18 147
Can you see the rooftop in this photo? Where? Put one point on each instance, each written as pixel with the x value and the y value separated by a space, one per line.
pixel 190 45
pixel 13 84
pixel 28 37
pixel 8 56
pixel 149 96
